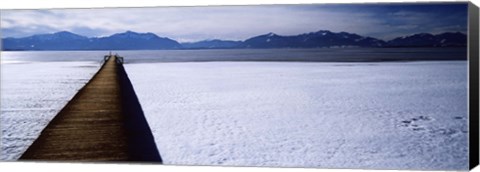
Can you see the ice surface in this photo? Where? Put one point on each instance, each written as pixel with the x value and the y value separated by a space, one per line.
pixel 403 115
pixel 32 93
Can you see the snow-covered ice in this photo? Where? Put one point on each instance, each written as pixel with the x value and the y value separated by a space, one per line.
pixel 32 93
pixel 401 115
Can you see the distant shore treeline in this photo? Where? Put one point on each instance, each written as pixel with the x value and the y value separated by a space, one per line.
pixel 148 41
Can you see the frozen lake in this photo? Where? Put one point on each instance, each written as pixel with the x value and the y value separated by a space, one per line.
pixel 31 95
pixel 257 112
pixel 406 115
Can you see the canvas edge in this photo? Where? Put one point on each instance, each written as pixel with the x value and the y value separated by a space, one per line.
pixel 473 58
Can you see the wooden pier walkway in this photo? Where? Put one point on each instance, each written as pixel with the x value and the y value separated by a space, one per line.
pixel 103 122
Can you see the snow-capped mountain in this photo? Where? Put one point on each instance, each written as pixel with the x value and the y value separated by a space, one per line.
pixel 134 41
pixel 58 36
pixel 135 35
pixel 270 40
pixel 57 41
pixel 448 39
pixel 319 39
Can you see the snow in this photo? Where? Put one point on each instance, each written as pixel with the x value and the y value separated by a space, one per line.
pixel 32 93
pixel 268 40
pixel 359 39
pixel 404 115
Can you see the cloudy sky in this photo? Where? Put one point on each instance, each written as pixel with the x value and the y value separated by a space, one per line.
pixel 185 24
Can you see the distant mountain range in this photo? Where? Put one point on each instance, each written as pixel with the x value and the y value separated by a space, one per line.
pixel 148 41
pixel 448 39
pixel 69 41
pixel 320 39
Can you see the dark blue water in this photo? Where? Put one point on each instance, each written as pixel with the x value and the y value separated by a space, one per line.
pixel 301 55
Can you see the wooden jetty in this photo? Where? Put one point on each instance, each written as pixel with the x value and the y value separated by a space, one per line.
pixel 103 122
